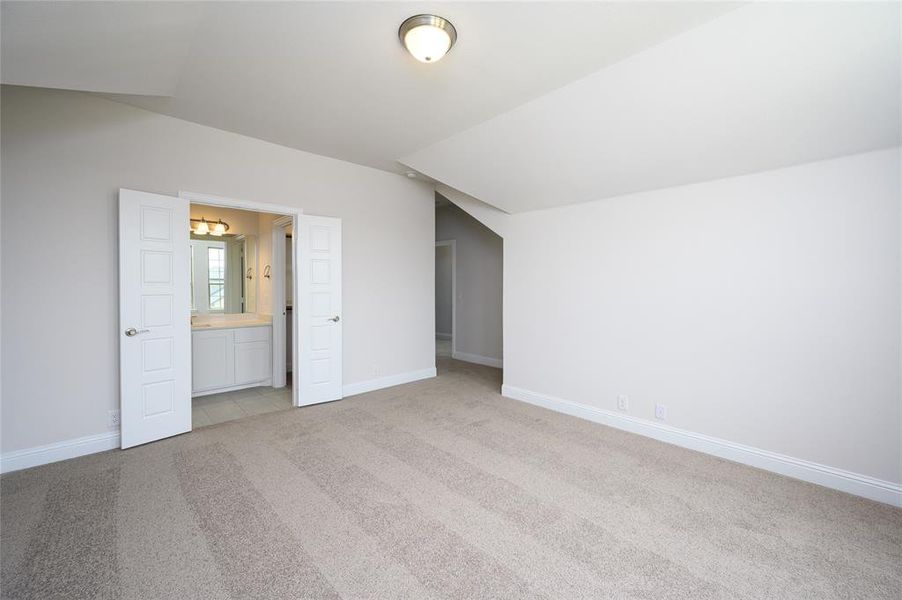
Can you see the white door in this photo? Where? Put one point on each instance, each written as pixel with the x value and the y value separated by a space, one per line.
pixel 319 311
pixel 154 317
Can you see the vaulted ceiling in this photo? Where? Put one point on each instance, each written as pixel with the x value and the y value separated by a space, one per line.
pixel 538 104
pixel 765 86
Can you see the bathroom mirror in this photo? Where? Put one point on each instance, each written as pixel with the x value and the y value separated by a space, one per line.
pixel 223 274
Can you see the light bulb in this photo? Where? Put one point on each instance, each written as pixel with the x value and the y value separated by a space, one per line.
pixel 202 228
pixel 219 228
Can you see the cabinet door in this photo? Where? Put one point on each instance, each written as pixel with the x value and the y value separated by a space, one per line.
pixel 253 362
pixel 212 354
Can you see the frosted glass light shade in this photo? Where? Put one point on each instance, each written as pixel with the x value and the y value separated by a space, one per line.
pixel 202 228
pixel 427 43
pixel 427 37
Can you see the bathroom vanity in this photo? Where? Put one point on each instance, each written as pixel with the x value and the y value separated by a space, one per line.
pixel 230 353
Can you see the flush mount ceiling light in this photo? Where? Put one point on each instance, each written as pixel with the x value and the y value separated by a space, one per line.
pixel 427 37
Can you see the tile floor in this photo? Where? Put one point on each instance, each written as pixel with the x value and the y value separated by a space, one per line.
pixel 228 406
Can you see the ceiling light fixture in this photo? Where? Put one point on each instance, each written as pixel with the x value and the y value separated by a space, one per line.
pixel 427 37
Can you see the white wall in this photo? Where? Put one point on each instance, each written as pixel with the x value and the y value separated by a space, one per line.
pixel 478 306
pixel 762 309
pixel 264 253
pixel 443 291
pixel 65 155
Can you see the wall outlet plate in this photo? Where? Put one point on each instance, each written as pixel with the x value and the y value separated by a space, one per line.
pixel 115 419
pixel 623 402
pixel 660 411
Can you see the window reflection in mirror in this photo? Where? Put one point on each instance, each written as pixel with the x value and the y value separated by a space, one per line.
pixel 222 274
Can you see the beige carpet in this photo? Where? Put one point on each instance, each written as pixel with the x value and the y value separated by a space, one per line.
pixel 437 489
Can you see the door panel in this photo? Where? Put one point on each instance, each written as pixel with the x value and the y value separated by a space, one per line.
pixel 319 313
pixel 154 317
pixel 253 362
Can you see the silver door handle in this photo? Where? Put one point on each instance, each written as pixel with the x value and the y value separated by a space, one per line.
pixel 335 319
pixel 132 332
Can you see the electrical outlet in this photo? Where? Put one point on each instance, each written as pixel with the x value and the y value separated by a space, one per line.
pixel 376 371
pixel 660 411
pixel 115 419
pixel 623 402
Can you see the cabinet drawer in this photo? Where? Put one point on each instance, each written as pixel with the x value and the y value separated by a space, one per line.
pixel 253 334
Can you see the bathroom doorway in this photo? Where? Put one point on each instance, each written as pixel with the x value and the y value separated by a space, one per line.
pixel 309 301
pixel 192 327
pixel 239 273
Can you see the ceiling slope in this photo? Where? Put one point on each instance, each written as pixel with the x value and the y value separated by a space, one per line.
pixel 765 86
pixel 489 216
pixel 120 47
pixel 330 77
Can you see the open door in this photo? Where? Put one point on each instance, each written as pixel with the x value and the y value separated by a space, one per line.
pixel 318 243
pixel 154 317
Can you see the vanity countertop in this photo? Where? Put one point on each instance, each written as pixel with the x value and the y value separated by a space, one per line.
pixel 234 324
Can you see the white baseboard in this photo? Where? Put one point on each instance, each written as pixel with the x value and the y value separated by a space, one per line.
pixel 371 385
pixel 838 479
pixel 479 360
pixel 442 336
pixel 42 455
pixel 232 388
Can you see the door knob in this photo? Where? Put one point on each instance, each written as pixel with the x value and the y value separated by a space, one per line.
pixel 132 332
pixel 335 319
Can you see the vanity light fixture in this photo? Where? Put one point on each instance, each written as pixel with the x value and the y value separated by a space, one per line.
pixel 219 229
pixel 427 37
pixel 203 227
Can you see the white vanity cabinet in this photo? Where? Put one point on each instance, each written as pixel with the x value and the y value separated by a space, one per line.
pixel 212 359
pixel 224 359
pixel 253 354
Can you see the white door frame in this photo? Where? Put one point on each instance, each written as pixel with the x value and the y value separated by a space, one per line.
pixel 292 213
pixel 453 245
pixel 279 310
